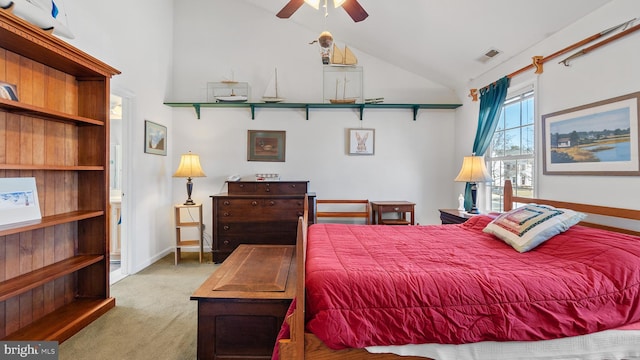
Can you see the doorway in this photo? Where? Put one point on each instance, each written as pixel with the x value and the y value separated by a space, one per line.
pixel 118 122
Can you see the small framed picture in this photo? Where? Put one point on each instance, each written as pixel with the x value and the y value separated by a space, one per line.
pixel 18 200
pixel 263 145
pixel 155 138
pixel 8 91
pixel 362 141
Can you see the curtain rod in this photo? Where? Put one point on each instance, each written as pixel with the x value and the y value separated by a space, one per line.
pixel 538 61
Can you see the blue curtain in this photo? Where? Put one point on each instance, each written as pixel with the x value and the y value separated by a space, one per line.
pixel 491 102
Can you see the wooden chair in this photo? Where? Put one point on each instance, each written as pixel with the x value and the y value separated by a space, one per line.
pixel 343 209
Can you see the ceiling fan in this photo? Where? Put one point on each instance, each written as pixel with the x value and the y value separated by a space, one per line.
pixel 352 7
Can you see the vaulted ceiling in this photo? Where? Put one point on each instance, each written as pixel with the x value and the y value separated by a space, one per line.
pixel 442 40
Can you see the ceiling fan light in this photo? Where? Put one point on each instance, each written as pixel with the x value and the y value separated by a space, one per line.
pixel 314 3
pixel 338 3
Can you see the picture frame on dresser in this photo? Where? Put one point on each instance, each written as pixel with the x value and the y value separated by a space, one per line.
pixel 600 138
pixel 155 138
pixel 361 141
pixel 266 145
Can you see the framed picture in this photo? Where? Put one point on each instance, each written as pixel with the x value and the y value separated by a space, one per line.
pixel 594 139
pixel 8 91
pixel 18 200
pixel 155 138
pixel 263 145
pixel 362 141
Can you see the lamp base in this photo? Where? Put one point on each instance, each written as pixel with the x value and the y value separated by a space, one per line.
pixel 189 189
pixel 474 190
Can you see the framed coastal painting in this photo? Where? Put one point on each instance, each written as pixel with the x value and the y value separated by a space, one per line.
pixel 155 138
pixel 18 200
pixel 266 145
pixel 600 138
pixel 361 141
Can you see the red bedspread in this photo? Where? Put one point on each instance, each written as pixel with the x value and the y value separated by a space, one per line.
pixel 383 285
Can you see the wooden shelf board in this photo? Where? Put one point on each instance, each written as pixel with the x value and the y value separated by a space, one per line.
pixel 19 108
pixel 47 221
pixel 51 167
pixel 65 321
pixel 394 222
pixel 23 283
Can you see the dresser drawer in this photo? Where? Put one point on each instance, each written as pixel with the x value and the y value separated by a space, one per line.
pixel 267 187
pixel 236 235
pixel 256 209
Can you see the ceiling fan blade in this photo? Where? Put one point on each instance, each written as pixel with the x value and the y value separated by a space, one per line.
pixel 355 10
pixel 290 8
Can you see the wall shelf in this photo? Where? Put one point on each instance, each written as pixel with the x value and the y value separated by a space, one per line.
pixel 306 106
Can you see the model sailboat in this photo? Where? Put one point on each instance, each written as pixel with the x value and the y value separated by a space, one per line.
pixel 271 93
pixel 344 99
pixel 343 58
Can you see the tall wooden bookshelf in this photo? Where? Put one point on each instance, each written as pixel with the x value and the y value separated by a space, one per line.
pixel 54 273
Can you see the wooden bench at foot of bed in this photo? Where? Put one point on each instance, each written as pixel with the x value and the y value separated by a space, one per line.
pixel 306 346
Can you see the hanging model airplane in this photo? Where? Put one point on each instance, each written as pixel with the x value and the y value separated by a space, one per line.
pixel 352 7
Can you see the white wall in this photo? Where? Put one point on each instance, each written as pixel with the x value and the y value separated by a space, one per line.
pixel 607 72
pixel 137 41
pixel 413 159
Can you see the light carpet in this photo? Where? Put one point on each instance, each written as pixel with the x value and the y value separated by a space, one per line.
pixel 154 317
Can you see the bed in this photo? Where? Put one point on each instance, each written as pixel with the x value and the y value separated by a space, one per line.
pixel 367 289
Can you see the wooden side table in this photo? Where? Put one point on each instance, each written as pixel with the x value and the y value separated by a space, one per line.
pixel 186 219
pixel 399 207
pixel 453 216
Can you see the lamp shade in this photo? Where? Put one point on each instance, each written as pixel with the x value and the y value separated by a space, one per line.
pixel 189 166
pixel 473 170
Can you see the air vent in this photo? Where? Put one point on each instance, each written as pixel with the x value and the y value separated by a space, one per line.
pixel 488 55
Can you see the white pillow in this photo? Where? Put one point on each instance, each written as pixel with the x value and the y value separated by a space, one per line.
pixel 530 225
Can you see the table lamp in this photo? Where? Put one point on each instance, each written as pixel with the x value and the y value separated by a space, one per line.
pixel 189 167
pixel 473 171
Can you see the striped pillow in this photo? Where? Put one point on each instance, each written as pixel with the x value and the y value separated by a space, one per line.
pixel 530 225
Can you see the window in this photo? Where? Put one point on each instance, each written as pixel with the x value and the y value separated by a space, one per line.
pixel 511 154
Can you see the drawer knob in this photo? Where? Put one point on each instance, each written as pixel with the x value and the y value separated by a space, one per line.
pixel 226 242
pixel 293 185
pixel 226 202
pixel 226 227
pixel 254 203
pixel 227 214
pixel 271 203
pixel 300 213
pixel 267 189
pixel 396 209
pixel 241 185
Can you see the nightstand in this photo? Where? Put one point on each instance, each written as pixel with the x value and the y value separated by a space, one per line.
pixel 188 219
pixel 399 207
pixel 453 216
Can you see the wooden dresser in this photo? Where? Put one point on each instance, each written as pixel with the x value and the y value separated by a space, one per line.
pixel 257 212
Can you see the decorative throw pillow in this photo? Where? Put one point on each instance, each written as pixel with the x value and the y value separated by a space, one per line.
pixel 530 225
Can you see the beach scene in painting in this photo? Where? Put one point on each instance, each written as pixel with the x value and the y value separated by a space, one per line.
pixel 599 137
pixel 16 199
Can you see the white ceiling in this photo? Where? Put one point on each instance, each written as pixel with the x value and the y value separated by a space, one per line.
pixel 441 40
